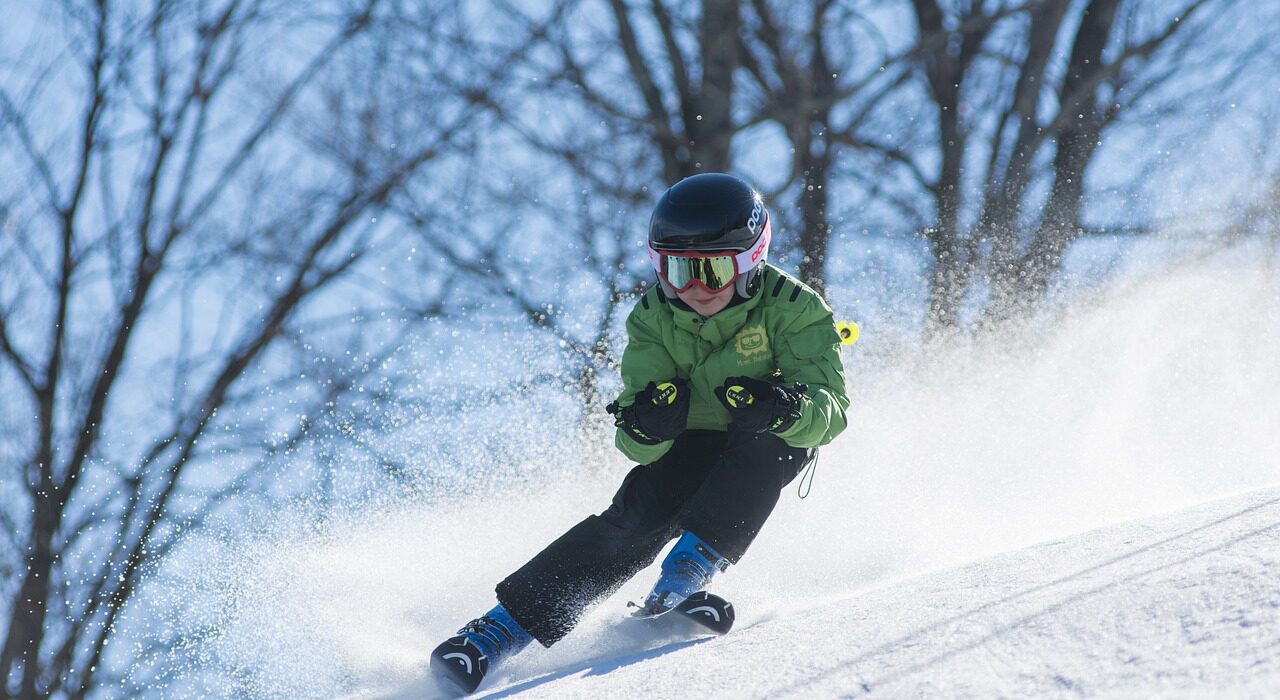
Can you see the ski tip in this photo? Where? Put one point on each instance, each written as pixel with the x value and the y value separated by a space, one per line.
pixel 459 665
pixel 709 611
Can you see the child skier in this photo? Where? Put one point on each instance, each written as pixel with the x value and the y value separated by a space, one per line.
pixel 731 380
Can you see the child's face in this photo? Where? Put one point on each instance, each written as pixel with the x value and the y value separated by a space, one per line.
pixel 706 303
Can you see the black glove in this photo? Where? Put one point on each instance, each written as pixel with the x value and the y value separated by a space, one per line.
pixel 756 405
pixel 659 413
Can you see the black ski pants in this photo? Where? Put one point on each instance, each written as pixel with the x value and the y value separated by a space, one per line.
pixel 719 486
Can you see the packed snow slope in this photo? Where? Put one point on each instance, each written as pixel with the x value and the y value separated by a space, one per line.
pixel 1186 604
pixel 1156 395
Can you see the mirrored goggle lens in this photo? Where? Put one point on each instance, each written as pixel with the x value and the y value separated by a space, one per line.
pixel 715 272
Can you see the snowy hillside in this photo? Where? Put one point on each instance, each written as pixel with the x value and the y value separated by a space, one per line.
pixel 1149 401
pixel 1185 604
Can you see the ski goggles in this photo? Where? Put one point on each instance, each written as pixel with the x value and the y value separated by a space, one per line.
pixel 714 271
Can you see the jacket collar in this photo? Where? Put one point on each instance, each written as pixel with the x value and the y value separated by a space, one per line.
pixel 718 329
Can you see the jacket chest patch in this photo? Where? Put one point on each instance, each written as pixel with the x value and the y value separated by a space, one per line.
pixel 751 343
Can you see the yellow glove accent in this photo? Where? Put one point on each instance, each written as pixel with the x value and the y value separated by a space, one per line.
pixel 665 393
pixel 738 396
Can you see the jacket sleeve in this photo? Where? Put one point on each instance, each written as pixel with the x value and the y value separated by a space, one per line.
pixel 644 360
pixel 810 354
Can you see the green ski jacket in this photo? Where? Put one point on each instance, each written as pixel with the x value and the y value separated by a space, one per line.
pixel 784 333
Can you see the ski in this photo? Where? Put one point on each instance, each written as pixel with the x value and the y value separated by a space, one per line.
pixel 706 611
pixel 709 611
pixel 460 665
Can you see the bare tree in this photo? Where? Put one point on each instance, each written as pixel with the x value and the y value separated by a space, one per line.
pixel 802 58
pixel 621 99
pixel 980 131
pixel 685 97
pixel 181 230
pixel 998 87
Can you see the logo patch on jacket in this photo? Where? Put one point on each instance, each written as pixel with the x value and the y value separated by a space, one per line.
pixel 750 342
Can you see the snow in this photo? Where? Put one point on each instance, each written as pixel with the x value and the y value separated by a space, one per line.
pixel 1181 605
pixel 940 553
pixel 1185 604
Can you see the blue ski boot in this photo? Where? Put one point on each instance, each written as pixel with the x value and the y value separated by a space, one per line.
pixel 687 569
pixel 464 659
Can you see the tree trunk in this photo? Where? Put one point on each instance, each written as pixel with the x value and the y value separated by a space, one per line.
pixel 945 68
pixel 813 150
pixel 711 127
pixel 1019 284
pixel 22 645
pixel 948 282
pixel 1061 224
pixel 816 234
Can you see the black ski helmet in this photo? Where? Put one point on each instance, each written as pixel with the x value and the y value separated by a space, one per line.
pixel 712 212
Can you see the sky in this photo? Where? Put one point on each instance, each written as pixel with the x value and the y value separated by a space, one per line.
pixel 1155 392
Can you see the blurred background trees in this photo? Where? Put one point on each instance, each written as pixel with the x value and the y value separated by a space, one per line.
pixel 240 239
pixel 191 218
